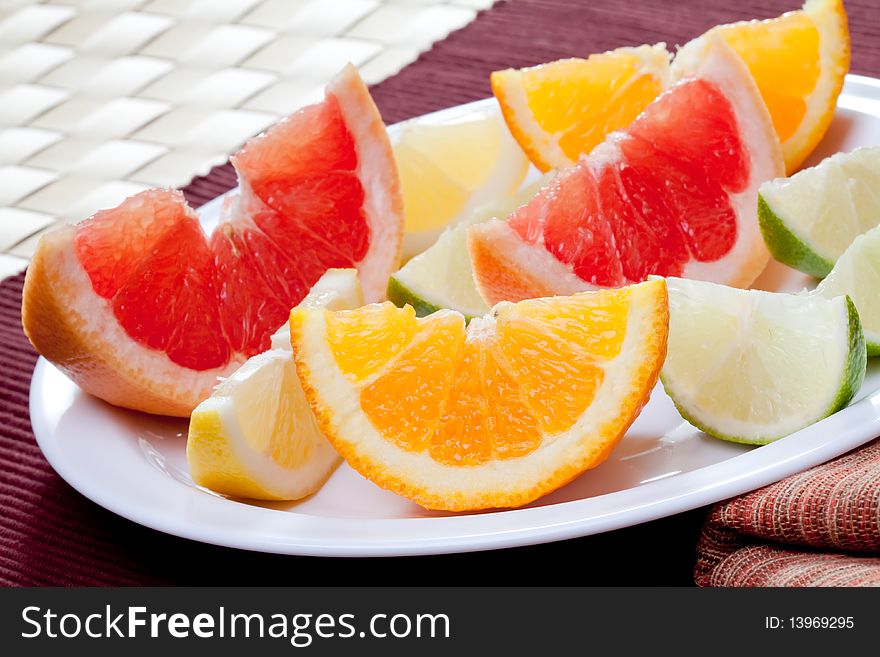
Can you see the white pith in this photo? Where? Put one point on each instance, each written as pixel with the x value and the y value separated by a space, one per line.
pixel 350 424
pixel 698 363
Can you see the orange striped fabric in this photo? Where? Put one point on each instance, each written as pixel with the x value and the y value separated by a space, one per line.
pixel 817 528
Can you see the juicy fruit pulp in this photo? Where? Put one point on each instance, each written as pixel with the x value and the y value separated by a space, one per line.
pixel 435 398
pixel 201 299
pixel 468 396
pixel 658 201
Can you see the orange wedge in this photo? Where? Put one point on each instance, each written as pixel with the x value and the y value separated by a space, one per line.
pixel 560 110
pixel 493 414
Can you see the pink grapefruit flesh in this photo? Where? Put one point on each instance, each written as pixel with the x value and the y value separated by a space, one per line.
pixel 673 195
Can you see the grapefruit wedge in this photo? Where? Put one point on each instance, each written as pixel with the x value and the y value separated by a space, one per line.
pixel 675 195
pixel 141 308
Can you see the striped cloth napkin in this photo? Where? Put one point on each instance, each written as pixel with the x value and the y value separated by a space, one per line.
pixel 817 528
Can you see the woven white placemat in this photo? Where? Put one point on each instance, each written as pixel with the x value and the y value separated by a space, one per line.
pixel 100 99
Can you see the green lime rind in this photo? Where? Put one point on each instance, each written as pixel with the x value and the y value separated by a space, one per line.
pixel 853 377
pixel 873 348
pixel 400 295
pixel 786 247
pixel 856 364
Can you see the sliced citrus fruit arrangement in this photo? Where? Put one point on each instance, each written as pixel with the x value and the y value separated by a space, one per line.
pixel 856 274
pixel 140 308
pixel 450 165
pixel 752 366
pixel 560 110
pixel 810 219
pixel 441 276
pixel 255 436
pixel 799 61
pixel 494 414
pixel 675 194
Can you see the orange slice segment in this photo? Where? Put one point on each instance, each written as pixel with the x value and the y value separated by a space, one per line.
pixel 560 110
pixel 492 414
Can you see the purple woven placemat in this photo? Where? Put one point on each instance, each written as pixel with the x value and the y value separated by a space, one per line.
pixel 50 535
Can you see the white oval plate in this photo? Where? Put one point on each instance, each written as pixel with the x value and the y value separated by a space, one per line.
pixel 135 466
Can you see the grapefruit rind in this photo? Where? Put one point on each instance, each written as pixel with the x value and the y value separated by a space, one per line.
pixel 629 380
pixel 442 276
pixel 508 269
pixel 788 247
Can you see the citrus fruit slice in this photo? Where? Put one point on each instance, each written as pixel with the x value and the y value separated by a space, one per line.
pixel 494 414
pixel 449 165
pixel 140 308
pixel 810 219
pixel 255 436
pixel 675 194
pixel 799 61
pixel 561 110
pixel 752 366
pixel 856 274
pixel 442 277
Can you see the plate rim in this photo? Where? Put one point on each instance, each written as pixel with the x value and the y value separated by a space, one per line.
pixel 346 537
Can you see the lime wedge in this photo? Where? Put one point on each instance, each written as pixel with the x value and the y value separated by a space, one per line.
pixel 751 366
pixel 857 274
pixel 809 219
